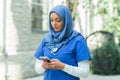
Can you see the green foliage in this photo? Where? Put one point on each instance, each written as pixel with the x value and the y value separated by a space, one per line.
pixel 117 21
pixel 118 64
pixel 104 52
pixel 118 67
pixel 105 59
pixel 110 11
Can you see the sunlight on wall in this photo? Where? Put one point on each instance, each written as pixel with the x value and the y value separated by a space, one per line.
pixel 2 71
pixel 58 2
pixel 11 33
pixel 1 24
pixel 14 72
pixel 98 23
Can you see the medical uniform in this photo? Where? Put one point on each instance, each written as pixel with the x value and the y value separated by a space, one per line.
pixel 73 52
pixel 68 46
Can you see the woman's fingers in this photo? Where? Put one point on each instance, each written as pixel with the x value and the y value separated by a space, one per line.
pixel 54 64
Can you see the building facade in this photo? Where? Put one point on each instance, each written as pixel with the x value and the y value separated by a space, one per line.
pixel 25 23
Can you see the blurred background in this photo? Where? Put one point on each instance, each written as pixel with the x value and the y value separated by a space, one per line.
pixel 23 23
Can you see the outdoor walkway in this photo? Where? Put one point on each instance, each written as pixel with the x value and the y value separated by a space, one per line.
pixel 90 77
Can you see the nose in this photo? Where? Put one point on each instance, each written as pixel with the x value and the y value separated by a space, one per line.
pixel 54 23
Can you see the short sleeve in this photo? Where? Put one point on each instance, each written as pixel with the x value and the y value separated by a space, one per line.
pixel 82 51
pixel 39 51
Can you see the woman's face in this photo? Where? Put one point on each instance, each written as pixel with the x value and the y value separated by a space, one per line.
pixel 56 22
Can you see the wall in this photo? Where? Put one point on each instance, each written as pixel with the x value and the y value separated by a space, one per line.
pixel 19 36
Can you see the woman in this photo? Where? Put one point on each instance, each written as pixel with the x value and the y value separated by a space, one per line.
pixel 65 47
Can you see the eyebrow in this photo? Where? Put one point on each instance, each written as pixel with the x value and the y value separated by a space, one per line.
pixel 56 18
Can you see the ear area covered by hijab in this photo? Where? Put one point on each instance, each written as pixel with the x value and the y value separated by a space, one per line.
pixel 56 40
pixel 66 17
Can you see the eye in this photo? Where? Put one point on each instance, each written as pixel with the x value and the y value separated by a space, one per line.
pixel 58 20
pixel 51 20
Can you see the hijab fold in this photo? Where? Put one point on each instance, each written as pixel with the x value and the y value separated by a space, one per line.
pixel 56 40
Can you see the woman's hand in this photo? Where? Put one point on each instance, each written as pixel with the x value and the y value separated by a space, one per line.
pixel 54 64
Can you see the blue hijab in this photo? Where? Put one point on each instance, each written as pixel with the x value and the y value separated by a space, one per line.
pixel 56 40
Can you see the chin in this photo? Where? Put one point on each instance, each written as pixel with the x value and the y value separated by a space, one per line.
pixel 57 31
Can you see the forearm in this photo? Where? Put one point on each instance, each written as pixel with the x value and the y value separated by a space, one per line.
pixel 38 67
pixel 81 71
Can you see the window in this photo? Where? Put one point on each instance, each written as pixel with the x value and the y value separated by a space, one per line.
pixel 39 15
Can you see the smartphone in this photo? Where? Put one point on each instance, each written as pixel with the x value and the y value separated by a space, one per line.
pixel 45 58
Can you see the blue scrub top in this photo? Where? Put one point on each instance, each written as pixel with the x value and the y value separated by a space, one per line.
pixel 74 51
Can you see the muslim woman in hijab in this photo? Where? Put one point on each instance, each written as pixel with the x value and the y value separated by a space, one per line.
pixel 66 48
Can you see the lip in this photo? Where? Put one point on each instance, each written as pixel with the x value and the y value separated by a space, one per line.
pixel 56 28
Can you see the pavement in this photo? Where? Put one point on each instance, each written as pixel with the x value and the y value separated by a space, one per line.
pixel 90 77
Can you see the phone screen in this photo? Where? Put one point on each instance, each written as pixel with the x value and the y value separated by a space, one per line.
pixel 44 58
